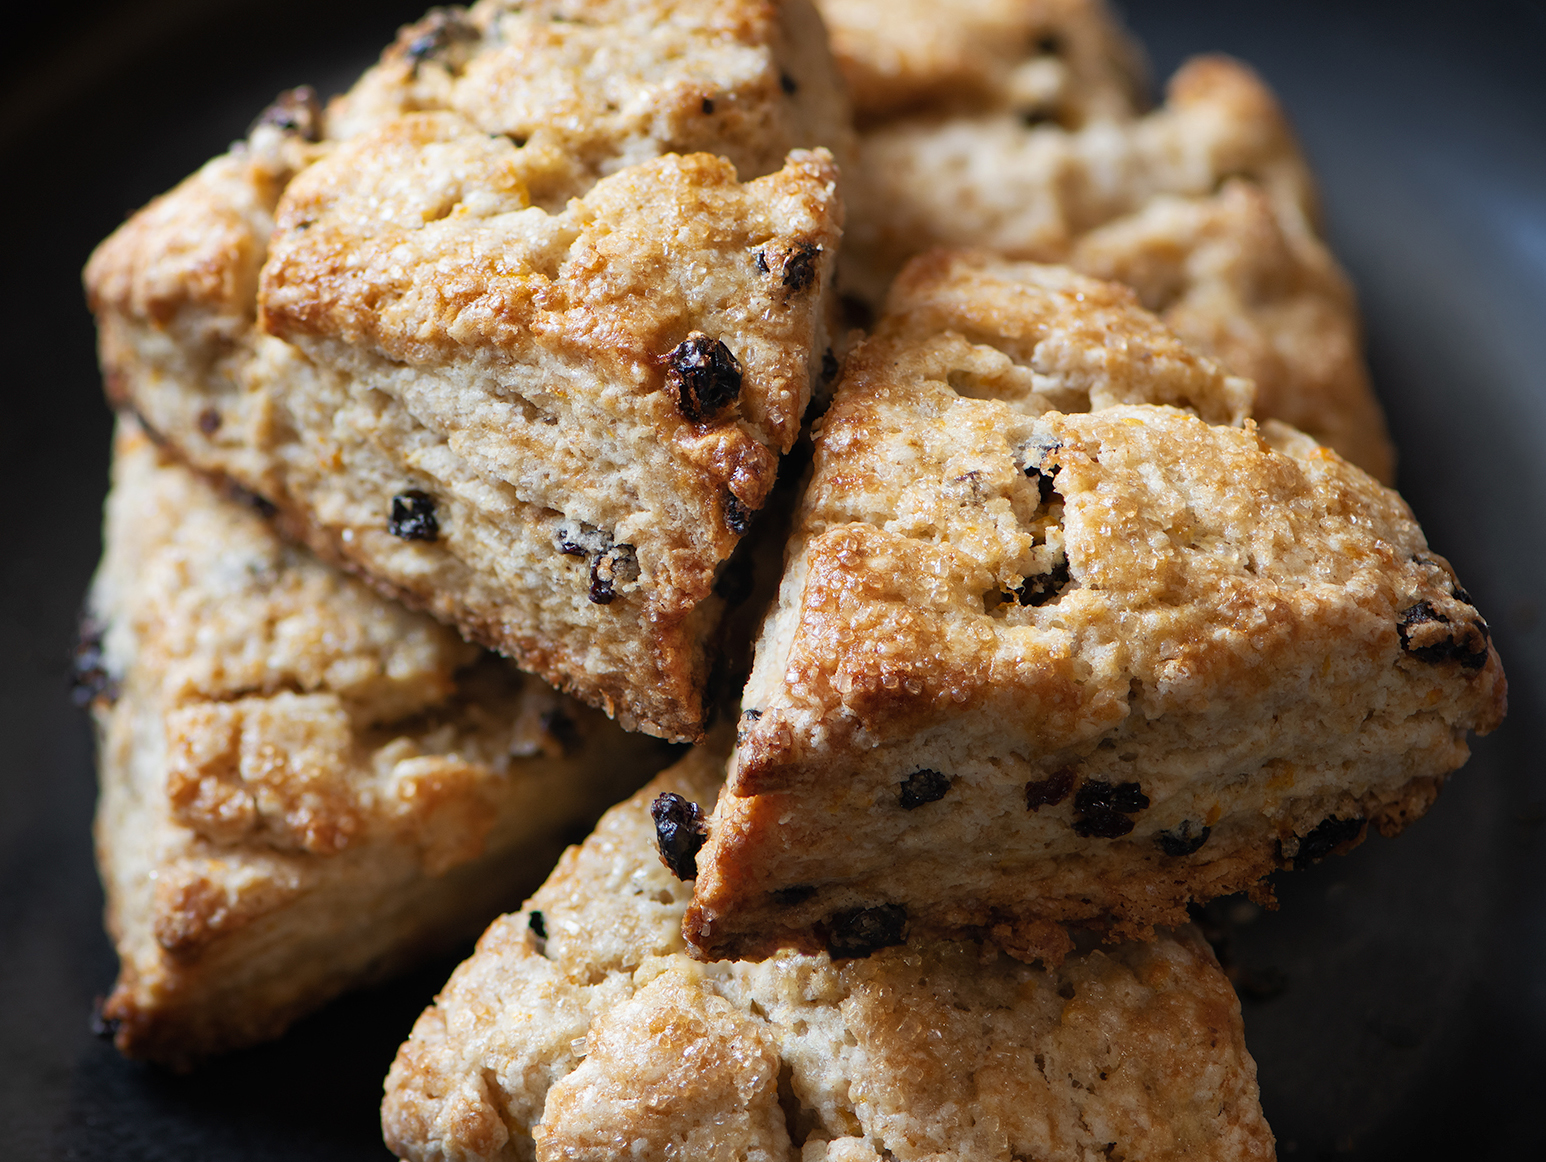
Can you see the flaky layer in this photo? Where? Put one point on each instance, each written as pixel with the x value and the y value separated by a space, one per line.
pixel 516 362
pixel 1034 667
pixel 303 785
pixel 580 1029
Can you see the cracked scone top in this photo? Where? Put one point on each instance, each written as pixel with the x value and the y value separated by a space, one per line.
pixel 1021 125
pixel 303 784
pixel 1047 653
pixel 581 1029
pixel 519 328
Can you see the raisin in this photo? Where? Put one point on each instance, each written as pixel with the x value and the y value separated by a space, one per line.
pixel 1459 593
pixel 561 729
pixel 1043 587
pixel 538 927
pixel 737 515
pixel 1471 652
pixel 680 833
pixel 794 894
pixel 578 539
pixel 1124 798
pixel 294 111
pixel 708 105
pixel 89 679
pixel 413 516
pixel 1327 835
pixel 1049 792
pixel 754 715
pixel 800 267
pixel 762 261
pixel 209 421
pixel 828 366
pixel 857 932
pixel 103 1027
pixel 787 83
pixel 1104 808
pixel 617 566
pixel 1183 839
pixel 1103 823
pixel 703 376
pixel 923 786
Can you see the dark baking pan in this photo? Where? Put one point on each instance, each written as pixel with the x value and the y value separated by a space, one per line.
pixel 1396 1004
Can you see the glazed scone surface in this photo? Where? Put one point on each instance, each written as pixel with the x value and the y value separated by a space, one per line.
pixel 1032 667
pixel 302 783
pixel 534 380
pixel 581 1029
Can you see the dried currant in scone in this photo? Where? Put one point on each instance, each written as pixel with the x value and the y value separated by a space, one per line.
pixel 856 932
pixel 616 566
pixel 413 516
pixel 680 832
pixel 296 111
pixel 703 376
pixel 1327 835
pixel 1051 791
pixel 89 678
pixel 920 787
pixel 800 267
pixel 737 516
pixel 1184 838
pixel 1103 808
pixel 1430 636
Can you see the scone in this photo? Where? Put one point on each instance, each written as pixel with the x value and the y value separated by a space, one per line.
pixel 303 785
pixel 519 328
pixel 581 1029
pixel 1056 648
pixel 1020 125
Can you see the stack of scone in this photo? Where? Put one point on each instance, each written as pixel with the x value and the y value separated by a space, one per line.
pixel 510 344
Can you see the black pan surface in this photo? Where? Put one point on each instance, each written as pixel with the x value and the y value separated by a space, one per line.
pixel 1396 1004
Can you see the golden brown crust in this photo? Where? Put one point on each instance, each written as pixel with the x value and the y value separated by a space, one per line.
pixel 303 785
pixel 1075 175
pixel 1268 303
pixel 581 1029
pixel 1134 659
pixel 1069 61
pixel 456 307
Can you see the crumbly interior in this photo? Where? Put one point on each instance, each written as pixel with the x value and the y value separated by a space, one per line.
pixel 469 286
pixel 1020 125
pixel 1131 657
pixel 303 784
pixel 581 1029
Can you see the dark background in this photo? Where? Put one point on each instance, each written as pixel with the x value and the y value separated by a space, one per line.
pixel 1396 1004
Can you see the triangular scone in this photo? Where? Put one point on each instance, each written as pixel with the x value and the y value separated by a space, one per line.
pixel 303 785
pixel 1018 124
pixel 1036 668
pixel 506 354
pixel 581 1029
